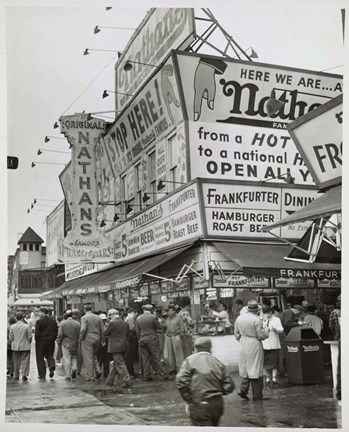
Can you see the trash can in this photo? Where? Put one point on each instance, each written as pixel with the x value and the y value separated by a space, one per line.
pixel 304 356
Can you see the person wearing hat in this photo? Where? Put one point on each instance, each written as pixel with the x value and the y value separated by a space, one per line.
pixel 202 381
pixel 103 356
pixel 46 330
pixel 20 336
pixel 91 337
pixel 117 334
pixel 249 332
pixel 174 331
pixel 132 349
pixel 147 326
pixel 289 318
pixel 68 336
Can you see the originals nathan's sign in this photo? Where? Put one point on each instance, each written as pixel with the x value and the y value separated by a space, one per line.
pixel 85 242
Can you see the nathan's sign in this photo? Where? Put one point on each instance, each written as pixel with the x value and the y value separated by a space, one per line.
pixel 231 134
pixel 85 242
pixel 318 137
pixel 171 221
pixel 162 30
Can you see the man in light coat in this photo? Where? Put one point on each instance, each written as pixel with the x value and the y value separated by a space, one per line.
pixel 20 337
pixel 174 331
pixel 68 336
pixel 117 334
pixel 91 337
pixel 249 332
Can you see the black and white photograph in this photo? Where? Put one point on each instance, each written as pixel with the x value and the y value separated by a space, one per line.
pixel 172 225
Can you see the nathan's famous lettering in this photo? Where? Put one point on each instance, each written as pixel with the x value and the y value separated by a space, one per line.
pixel 256 105
pixel 154 44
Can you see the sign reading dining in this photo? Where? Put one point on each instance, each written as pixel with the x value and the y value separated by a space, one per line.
pixel 243 211
pixel 84 242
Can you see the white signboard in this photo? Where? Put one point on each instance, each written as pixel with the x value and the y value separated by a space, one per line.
pixel 242 210
pixel 172 221
pixel 319 138
pixel 241 282
pixel 161 31
pixel 84 242
pixel 54 233
pixel 150 117
pixel 294 283
pixel 329 283
pixel 23 258
pixel 231 134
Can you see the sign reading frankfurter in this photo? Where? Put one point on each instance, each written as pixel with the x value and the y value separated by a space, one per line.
pixel 243 211
pixel 162 30
pixel 318 137
pixel 172 221
pixel 231 134
pixel 84 242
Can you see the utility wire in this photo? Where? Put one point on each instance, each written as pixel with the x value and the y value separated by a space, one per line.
pixel 94 79
pixel 335 67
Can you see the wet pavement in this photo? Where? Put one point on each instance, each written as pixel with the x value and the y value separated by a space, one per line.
pixel 159 403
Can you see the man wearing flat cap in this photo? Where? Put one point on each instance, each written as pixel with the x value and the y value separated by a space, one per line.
pixel 46 331
pixel 249 332
pixel 202 381
pixel 147 326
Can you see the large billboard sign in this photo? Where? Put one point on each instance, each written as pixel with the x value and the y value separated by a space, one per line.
pixel 54 233
pixel 150 117
pixel 174 220
pixel 84 242
pixel 231 134
pixel 242 211
pixel 162 30
pixel 318 137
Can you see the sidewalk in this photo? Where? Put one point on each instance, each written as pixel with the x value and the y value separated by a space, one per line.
pixel 158 403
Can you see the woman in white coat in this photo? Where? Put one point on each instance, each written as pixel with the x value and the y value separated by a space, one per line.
pixel 271 345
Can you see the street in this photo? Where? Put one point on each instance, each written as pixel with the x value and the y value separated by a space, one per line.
pixel 58 401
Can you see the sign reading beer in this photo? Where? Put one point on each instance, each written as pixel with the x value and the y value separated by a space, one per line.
pixel 231 134
pixel 84 242
pixel 318 137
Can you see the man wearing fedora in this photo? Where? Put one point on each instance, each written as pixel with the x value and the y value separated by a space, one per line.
pixel 147 326
pixel 202 381
pixel 249 332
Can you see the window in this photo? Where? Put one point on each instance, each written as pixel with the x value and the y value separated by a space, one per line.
pixel 173 156
pixel 30 247
pixel 123 193
pixel 43 264
pixel 138 184
pixel 37 247
pixel 24 247
pixel 152 173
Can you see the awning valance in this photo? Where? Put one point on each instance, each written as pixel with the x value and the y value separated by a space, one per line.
pixel 28 302
pixel 115 277
pixel 324 206
pixel 268 260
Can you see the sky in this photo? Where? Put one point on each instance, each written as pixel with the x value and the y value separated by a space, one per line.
pixel 47 75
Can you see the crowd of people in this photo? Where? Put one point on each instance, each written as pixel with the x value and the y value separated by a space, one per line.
pixel 121 346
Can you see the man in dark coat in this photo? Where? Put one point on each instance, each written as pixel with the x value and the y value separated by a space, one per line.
pixel 147 326
pixel 46 331
pixel 202 381
pixel 117 333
